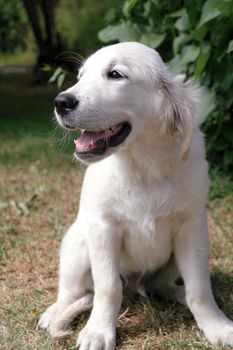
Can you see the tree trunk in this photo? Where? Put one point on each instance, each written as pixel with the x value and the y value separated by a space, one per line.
pixel 31 7
pixel 46 35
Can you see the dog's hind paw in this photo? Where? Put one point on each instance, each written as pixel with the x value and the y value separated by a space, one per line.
pixel 221 335
pixel 47 317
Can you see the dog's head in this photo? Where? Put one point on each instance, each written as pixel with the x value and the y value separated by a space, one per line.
pixel 120 89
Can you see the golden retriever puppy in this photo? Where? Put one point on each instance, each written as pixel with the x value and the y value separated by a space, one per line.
pixel 142 206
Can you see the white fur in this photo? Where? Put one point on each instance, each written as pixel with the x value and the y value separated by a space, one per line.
pixel 143 201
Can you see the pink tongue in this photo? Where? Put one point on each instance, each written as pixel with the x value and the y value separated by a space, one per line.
pixel 89 139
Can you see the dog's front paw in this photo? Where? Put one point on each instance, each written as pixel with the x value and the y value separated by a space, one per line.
pixel 221 334
pixel 96 337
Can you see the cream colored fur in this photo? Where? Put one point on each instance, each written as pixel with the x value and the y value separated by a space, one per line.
pixel 140 203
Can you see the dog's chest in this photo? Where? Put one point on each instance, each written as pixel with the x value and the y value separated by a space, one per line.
pixel 145 248
pixel 144 215
pixel 142 202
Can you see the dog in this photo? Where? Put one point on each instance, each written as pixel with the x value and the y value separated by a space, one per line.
pixel 142 219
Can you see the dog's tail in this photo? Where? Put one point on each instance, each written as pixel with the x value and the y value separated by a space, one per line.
pixel 60 326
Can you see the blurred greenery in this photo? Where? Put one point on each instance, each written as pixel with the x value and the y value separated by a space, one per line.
pixel 27 130
pixel 77 23
pixel 39 30
pixel 194 37
pixel 13 26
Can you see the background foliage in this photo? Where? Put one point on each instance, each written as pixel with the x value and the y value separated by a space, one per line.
pixel 76 22
pixel 79 22
pixel 194 37
pixel 13 26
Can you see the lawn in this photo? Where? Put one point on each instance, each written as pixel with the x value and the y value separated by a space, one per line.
pixel 39 194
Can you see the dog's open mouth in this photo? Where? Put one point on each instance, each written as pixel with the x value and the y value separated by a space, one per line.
pixel 92 143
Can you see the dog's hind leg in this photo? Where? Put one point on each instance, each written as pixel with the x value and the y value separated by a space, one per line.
pixel 75 285
pixel 59 326
pixel 166 282
pixel 191 252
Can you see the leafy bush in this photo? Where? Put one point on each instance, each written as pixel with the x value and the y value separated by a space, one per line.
pixel 79 22
pixel 194 37
pixel 13 26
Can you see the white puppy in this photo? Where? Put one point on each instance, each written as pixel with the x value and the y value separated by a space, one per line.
pixel 142 206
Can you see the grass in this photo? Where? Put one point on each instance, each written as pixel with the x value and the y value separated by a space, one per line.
pixel 19 57
pixel 39 194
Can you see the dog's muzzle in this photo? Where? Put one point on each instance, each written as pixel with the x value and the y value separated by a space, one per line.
pixel 92 144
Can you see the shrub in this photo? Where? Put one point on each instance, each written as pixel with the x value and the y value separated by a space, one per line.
pixel 13 26
pixel 194 37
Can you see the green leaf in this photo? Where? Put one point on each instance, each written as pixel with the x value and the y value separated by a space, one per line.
pixel 199 33
pixel 128 6
pixel 147 10
pixel 175 65
pixel 206 105
pixel 230 47
pixel 189 54
pixel 202 60
pixel 225 7
pixel 178 13
pixel 228 157
pixel 179 41
pixel 55 75
pixel 122 32
pixel 182 24
pixel 152 39
pixel 209 12
pixel 46 68
pixel 60 80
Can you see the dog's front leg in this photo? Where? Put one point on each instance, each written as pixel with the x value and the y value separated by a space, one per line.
pixel 191 252
pixel 104 242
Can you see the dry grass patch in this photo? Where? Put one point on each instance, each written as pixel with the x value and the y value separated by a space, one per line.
pixel 39 195
pixel 29 257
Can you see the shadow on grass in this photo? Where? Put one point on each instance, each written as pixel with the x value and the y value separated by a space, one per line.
pixel 157 316
pixel 162 324
pixel 223 291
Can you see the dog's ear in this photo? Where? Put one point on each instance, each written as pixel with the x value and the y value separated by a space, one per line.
pixel 179 99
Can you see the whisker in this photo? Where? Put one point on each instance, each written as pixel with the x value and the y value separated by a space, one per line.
pixel 75 66
pixel 62 135
pixel 73 53
pixel 70 56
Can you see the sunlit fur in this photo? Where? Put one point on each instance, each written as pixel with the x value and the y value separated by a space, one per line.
pixel 144 201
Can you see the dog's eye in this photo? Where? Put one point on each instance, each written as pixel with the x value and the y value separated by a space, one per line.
pixel 114 75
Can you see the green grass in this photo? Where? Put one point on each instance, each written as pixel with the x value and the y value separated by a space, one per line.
pixel 39 194
pixel 19 57
pixel 28 132
pixel 221 184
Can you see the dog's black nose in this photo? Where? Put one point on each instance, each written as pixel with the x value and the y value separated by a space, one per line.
pixel 65 103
